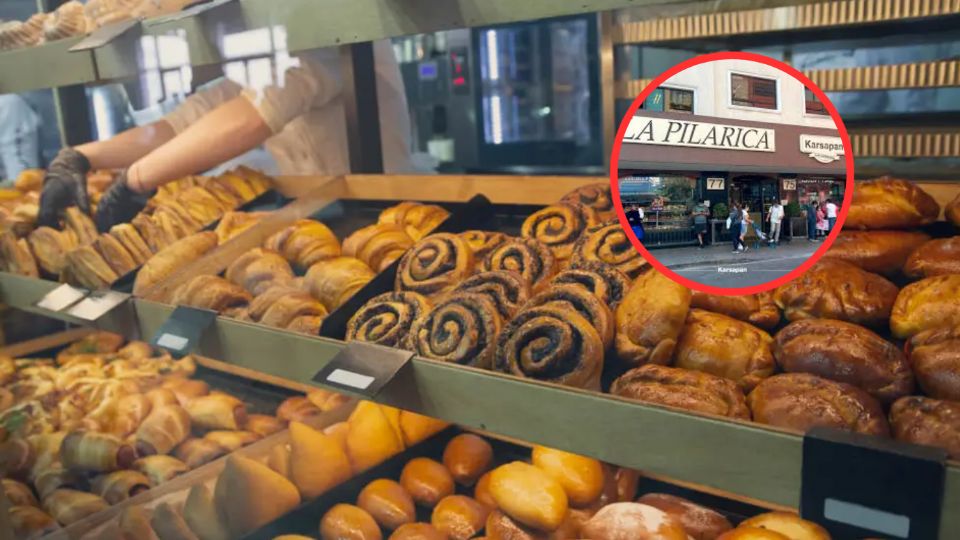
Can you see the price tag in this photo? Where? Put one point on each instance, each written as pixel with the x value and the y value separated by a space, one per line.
pixel 105 34
pixel 97 304
pixel 61 298
pixel 847 479
pixel 363 368
pixel 181 333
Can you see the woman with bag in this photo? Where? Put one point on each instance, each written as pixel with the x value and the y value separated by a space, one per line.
pixel 733 225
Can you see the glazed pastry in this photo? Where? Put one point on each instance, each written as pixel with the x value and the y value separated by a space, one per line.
pixel 553 344
pixel 119 486
pixel 700 522
pixel 417 531
pixel 50 248
pixel 416 428
pixel 80 223
pixel 168 523
pixel 725 347
pixel 526 256
pixel 467 457
pixel 217 411
pixel 435 265
pixel 177 255
pixel 459 517
pixel 461 329
pixel 684 389
pixel 596 196
pixel 163 429
pixel 317 461
pixel 934 258
pixel 427 481
pixel 348 521
pixel 416 218
pixel 559 226
pixel 263 425
pixel 334 281
pixel 845 353
pixel 482 243
pixel 935 358
pixel 232 224
pixel 650 319
pixel 481 492
pixel 834 289
pixel 952 211
pixel 608 243
pixel 507 290
pixel 160 469
pixel 789 525
pixel 388 503
pixel 210 292
pixel 582 478
pixel 68 506
pixel 372 436
pixel 607 283
pixel 305 243
pixel 231 440
pixel 95 452
pixel 378 245
pixel 633 521
pixel 132 242
pixel 529 495
pixel 29 522
pixel 195 452
pixel 18 493
pixel 327 400
pixel 297 409
pixel 387 319
pixel 153 235
pixel 239 499
pixel 926 421
pixel 926 304
pixel 581 301
pixel 880 252
pixel 890 203
pixel 756 309
pixel 175 225
pixel 258 269
pixel 800 401
pixel 15 256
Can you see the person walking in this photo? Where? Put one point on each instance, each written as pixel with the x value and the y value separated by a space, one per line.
pixel 821 220
pixel 831 215
pixel 733 225
pixel 810 210
pixel 775 217
pixel 635 218
pixel 700 223
pixel 745 223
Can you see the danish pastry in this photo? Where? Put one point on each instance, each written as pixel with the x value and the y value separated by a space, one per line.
pixel 890 203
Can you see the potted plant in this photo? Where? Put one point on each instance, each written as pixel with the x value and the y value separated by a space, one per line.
pixel 794 218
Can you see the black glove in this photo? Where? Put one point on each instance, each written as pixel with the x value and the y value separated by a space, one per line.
pixel 119 204
pixel 64 185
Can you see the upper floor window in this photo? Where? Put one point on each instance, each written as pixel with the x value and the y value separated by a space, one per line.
pixel 812 104
pixel 678 100
pixel 748 91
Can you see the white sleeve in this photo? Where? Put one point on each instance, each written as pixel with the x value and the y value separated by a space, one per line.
pixel 312 84
pixel 201 102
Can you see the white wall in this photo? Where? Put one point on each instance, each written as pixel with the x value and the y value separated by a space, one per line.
pixel 711 85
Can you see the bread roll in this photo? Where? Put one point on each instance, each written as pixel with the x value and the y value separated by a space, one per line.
pixel 929 303
pixel 417 531
pixel 935 357
pixel 461 329
pixel 165 262
pixel 757 309
pixel 317 461
pixel 725 347
pixel 890 203
pixel 348 522
pixel 529 495
pixel 596 196
pixel 240 498
pixel 632 521
pixel 751 533
pixel 559 226
pixel 217 411
pixel 526 256
pixel 605 282
pixel 69 506
pixel 388 503
pixel 459 517
pixel 650 319
pixel 467 457
pixel 608 243
pixel 482 243
pixel 427 481
pixel 934 258
pixel 372 438
pixel 582 478
pixel 789 525
pixel 929 422
pixel 334 281
pixel 880 252
pixel 700 522
pixel 416 428
pixel 481 492
pixel 684 389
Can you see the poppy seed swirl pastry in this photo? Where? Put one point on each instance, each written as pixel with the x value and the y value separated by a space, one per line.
pixel 559 226
pixel 604 281
pixel 482 243
pixel 582 301
pixel 596 196
pixel 461 329
pixel 553 344
pixel 608 243
pixel 507 290
pixel 387 319
pixel 435 265
pixel 684 389
pixel 526 256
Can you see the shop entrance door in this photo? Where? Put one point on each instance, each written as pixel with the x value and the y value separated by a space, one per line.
pixel 757 192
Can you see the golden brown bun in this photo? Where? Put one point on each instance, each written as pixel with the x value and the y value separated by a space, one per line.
pixel 596 196
pixel 259 269
pixel 834 289
pixel 15 256
pixel 800 401
pixel 217 411
pixel 372 437
pixel 334 281
pixel 929 422
pixel 196 452
pixel 378 245
pixel 164 428
pixel 526 256
pixel 234 223
pixel 684 389
pixel 160 469
pixel 580 477
pixel 461 329
pixel 467 457
pixel 633 521
pixel 435 265
pixel 529 495
pixel 608 243
pixel 317 461
pixel 559 226
pixel 119 486
pixel 751 533
pixel 240 495
pixel 935 358
pixel 232 440
pixel 29 180
pixel 210 292
pixel 387 319
pixel 928 303
pixel 18 493
pixel 263 424
pixel 388 503
pixel 417 427
pixel 50 248
pixel 482 243
pixel 200 513
pixel 845 353
pixel 172 257
pixel 427 481
pixel 890 203
pixel 650 319
pixel 417 531
pixel 68 506
pixel 481 492
pixel 305 243
pixel 934 258
pixel 725 347
pixel 348 522
pixel 132 241
pixel 700 522
pixel 29 522
pixel 952 211
pixel 881 252
pixel 459 517
pixel 790 525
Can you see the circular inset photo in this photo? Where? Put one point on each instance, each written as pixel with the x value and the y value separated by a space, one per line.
pixel 732 173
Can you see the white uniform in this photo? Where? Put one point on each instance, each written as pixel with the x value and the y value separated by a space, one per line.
pixel 305 112
pixel 19 148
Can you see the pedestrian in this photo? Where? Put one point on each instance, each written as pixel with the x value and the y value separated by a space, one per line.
pixel 831 215
pixel 822 224
pixel 810 210
pixel 775 216
pixel 635 218
pixel 745 223
pixel 700 223
pixel 733 225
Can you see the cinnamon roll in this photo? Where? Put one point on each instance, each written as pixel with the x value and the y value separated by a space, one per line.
pixel 596 196
pixel 387 319
pixel 507 290
pixel 461 329
pixel 526 256
pixel 434 265
pixel 551 344
pixel 575 298
pixel 559 226
pixel 604 281
pixel 609 243
pixel 482 243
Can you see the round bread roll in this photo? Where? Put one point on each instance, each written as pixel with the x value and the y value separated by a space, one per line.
pixel 890 203
pixel 581 477
pixel 467 456
pixel 789 525
pixel 417 531
pixel 427 481
pixel 632 521
pixel 700 522
pixel 529 495
pixel 930 422
pixel 881 252
pixel 929 303
pixel 345 521
pixel 481 492
pixel 751 533
pixel 389 504
pixel 934 258
pixel 459 517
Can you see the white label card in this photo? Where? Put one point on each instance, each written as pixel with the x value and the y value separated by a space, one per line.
pixel 61 298
pixel 349 378
pixel 97 305
pixel 171 341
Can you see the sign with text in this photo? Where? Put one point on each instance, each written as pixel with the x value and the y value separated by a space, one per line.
pixel 667 132
pixel 821 148
pixel 716 184
pixel 182 332
pixel 363 368
pixel 61 298
pixel 97 304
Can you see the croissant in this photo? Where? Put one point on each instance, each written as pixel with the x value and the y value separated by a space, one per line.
pixel 263 425
pixel 334 281
pixel 50 248
pixel 164 428
pixel 95 452
pixel 186 390
pixel 132 241
pixel 68 506
pixel 305 243
pixel 417 219
pixel 199 451
pixel 288 307
pixel 232 440
pixel 29 522
pixel 217 411
pixel 18 493
pixel 16 257
pixel 306 324
pixel 131 412
pixel 54 477
pixel 115 254
pixel 259 269
pixel 210 292
pixel 81 225
pixel 297 408
pixel 119 486
pixel 234 223
pixel 160 469
pixel 153 235
pixel 88 268
pixel 168 523
pixel 378 245
pixel 174 256
pixel 134 524
pixel 161 396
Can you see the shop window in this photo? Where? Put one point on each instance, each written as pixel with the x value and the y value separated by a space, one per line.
pixel 813 105
pixel 678 100
pixel 757 92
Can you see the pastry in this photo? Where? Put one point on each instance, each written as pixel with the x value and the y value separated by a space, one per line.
pixel 160 469
pixel 387 319
pixel 800 401
pixel 789 525
pixel 297 408
pixel 926 421
pixel 388 503
pixel 416 428
pixel 346 521
pixel 378 245
pixel 756 309
pixel 581 301
pixel 633 521
pixel 239 499
pixel 481 492
pixel 80 224
pixel 231 440
pixel 582 478
pixel 334 281
pixel 259 269
pixel 210 292
pixel 529 495
pixel 650 319
pixel 119 486
pixel 134 524
pixel 427 481
pixel 306 324
pixel 28 522
pixel 232 224
pixel 182 252
pixel 185 390
pixel 195 452
pixel 890 203
pixel 834 289
pixel 30 179
pixel 50 248
pixel 372 437
pixel 168 523
pixel 507 290
pixel 928 303
pixel 95 452
pixel 526 256
pixel 596 196
pixel 15 256
pixel 935 358
pixel 880 252
pixel 67 21
pixel 435 265
pixel 608 243
pixel 317 461
pixel 304 243
pixel 700 522
pixel 607 283
pixel 952 211
pixel 55 477
pixel 153 235
pixel 174 225
pixel 461 329
pixel 459 517
pixel 217 411
pixel 845 353
pixel 559 226
pixel 132 242
pixel 725 347
pixel 263 424
pixel 551 343
pixel 163 429
pixel 684 389
pixel 18 493
pixel 69 506
pixel 934 258
pixel 327 400
pixel 263 301
pixel 17 457
pixel 417 219
pixel 482 243
pixel 200 514
pixel 285 310
pixel 417 531
pixel 467 457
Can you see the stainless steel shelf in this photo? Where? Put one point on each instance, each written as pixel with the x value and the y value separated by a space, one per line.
pixel 45 66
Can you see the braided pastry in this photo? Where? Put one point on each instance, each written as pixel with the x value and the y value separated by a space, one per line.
pixel 258 269
pixel 387 319
pixel 462 329
pixel 416 219
pixel 378 245
pixel 526 256
pixel 305 243
pixel 482 243
pixel 553 344
pixel 50 248
pixel 604 281
pixel 596 196
pixel 119 486
pixel 435 265
pixel 507 290
pixel 334 281
pixel 575 298
pixel 210 292
pixel 608 243
pixel 559 226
